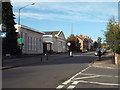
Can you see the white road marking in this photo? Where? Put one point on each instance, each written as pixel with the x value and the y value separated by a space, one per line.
pixel 69 80
pixel 112 84
pixel 66 82
pixel 75 82
pixel 60 87
pixel 99 75
pixel 71 87
pixel 87 77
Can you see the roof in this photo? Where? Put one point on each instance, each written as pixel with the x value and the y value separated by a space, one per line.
pixel 51 32
pixel 30 29
pixel 84 38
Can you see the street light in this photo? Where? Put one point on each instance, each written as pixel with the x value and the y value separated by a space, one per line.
pixel 22 8
pixel 19 22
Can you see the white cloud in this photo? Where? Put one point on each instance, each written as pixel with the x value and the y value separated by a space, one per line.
pixel 92 12
pixel 39 16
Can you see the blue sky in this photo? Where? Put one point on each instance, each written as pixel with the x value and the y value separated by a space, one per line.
pixel 88 18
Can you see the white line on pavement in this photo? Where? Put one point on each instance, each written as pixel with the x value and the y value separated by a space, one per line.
pixel 75 82
pixel 99 75
pixel 71 87
pixel 69 80
pixel 60 87
pixel 112 84
pixel 87 77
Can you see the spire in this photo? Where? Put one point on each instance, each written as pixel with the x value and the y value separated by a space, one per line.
pixel 72 29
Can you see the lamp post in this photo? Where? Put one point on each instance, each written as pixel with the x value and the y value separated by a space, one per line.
pixel 19 24
pixel 70 52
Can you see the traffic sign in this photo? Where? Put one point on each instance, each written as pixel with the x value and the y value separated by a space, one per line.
pixel 2 35
pixel 19 40
pixel 3 27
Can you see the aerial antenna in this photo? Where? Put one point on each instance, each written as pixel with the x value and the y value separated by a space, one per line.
pixel 72 29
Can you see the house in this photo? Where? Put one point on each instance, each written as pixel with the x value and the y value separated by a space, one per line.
pixel 32 40
pixel 54 41
pixel 85 42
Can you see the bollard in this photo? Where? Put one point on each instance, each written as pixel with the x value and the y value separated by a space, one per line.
pixel 47 57
pixel 41 58
pixel 70 54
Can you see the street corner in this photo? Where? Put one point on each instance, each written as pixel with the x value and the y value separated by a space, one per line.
pixel 105 66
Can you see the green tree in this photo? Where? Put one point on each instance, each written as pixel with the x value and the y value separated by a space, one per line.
pixel 99 40
pixel 10 42
pixel 112 35
pixel 71 38
pixel 95 45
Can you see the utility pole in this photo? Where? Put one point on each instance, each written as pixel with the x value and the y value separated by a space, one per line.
pixel 19 23
pixel 0 47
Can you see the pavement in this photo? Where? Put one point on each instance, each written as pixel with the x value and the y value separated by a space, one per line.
pixel 106 61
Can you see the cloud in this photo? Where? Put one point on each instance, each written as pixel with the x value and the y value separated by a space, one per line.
pixel 58 17
pixel 80 11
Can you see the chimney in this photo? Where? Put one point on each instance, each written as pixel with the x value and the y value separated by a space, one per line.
pixel 80 36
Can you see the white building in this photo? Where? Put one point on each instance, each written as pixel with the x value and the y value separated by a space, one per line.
pixel 32 40
pixel 55 41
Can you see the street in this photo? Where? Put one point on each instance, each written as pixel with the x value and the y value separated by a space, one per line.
pixel 69 73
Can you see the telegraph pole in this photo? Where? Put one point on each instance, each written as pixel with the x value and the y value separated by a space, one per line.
pixel 0 47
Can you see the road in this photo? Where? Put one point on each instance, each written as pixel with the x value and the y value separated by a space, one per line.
pixel 74 72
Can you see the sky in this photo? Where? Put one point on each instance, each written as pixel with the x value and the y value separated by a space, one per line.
pixel 87 18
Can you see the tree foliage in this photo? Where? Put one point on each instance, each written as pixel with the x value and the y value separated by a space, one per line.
pixel 75 45
pixel 10 42
pixel 95 45
pixel 112 35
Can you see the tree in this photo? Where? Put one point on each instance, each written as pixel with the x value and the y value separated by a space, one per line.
pixel 10 42
pixel 112 35
pixel 95 45
pixel 72 40
pixel 99 40
pixel 75 45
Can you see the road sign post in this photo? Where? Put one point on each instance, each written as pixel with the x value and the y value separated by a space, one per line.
pixel 2 35
pixel 19 40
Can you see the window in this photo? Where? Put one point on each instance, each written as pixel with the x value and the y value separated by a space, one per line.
pixel 40 42
pixel 28 43
pixel 31 43
pixel 36 43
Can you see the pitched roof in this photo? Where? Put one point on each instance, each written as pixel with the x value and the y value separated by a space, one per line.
pixel 28 28
pixel 51 32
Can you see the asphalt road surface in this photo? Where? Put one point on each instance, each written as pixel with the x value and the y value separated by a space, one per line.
pixel 69 73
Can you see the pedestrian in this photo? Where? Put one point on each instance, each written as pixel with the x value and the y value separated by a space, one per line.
pixel 99 54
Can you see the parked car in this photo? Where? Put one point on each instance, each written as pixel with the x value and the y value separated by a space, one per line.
pixel 102 51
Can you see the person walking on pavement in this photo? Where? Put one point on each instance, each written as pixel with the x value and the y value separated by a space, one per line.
pixel 99 54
